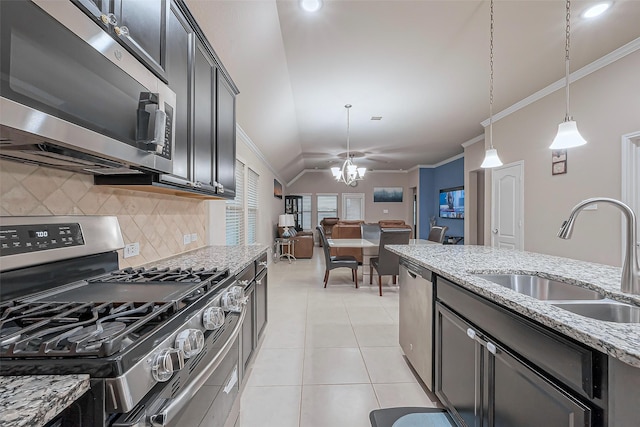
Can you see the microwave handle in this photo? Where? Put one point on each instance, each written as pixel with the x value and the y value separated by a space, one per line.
pixel 142 130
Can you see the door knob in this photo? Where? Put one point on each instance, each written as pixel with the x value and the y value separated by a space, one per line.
pixel 495 231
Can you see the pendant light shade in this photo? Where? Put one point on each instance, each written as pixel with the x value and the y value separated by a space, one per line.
pixel 568 136
pixel 491 159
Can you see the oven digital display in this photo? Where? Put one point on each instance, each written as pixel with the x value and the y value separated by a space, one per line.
pixel 40 234
pixel 20 239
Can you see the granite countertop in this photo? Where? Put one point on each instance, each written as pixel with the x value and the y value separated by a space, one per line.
pixel 235 258
pixel 458 263
pixel 35 400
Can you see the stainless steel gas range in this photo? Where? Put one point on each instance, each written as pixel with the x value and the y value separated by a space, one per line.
pixel 149 338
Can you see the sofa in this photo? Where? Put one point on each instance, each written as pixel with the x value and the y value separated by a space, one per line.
pixel 394 223
pixel 347 230
pixel 303 242
pixel 327 225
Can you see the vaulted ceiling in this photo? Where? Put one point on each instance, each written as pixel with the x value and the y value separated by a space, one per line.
pixel 421 65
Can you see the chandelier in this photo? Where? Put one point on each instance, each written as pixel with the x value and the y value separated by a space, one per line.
pixel 349 173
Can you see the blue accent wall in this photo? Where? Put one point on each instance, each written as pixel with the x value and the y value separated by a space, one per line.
pixel 432 180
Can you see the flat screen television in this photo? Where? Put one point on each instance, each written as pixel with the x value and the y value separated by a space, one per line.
pixel 452 203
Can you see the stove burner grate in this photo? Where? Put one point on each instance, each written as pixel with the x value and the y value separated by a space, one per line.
pixel 141 274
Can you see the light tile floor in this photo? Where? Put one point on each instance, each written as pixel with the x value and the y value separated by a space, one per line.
pixel 328 356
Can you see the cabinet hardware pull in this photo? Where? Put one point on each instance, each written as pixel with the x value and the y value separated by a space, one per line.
pixel 471 333
pixel 492 348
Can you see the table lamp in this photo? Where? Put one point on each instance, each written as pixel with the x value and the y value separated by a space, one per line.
pixel 286 221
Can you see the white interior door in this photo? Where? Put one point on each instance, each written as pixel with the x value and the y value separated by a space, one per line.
pixel 507 206
pixel 631 177
pixel 352 206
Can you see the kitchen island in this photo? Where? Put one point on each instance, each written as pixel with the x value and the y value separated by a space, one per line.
pixel 603 358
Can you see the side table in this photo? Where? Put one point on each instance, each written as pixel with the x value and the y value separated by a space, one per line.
pixel 281 244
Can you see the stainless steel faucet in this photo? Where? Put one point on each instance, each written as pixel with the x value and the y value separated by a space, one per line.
pixel 630 269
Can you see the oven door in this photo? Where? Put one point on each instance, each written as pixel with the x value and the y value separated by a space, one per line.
pixel 69 91
pixel 203 392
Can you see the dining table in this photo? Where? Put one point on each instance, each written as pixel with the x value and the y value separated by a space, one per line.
pixel 369 248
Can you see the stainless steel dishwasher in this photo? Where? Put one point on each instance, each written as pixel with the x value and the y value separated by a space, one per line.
pixel 416 319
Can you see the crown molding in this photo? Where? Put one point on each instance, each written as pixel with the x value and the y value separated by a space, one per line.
pixel 596 65
pixel 473 141
pixel 444 162
pixel 253 147
pixel 304 171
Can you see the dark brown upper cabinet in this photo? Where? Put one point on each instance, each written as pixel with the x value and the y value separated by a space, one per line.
pixel 140 26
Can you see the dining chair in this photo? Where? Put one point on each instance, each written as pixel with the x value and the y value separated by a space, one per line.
pixel 387 263
pixel 370 231
pixel 337 261
pixel 436 234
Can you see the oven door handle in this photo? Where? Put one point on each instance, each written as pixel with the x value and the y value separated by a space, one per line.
pixel 175 405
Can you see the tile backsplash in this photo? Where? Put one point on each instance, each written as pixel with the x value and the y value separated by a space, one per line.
pixel 158 222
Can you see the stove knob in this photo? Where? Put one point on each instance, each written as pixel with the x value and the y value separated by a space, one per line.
pixel 165 362
pixel 190 341
pixel 229 301
pixel 213 318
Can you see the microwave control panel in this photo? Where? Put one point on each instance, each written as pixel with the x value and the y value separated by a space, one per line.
pixel 19 239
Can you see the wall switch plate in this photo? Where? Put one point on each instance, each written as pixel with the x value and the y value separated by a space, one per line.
pixel 194 237
pixel 186 239
pixel 132 249
pixel 385 211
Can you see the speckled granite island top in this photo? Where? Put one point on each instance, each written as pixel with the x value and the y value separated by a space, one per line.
pixel 36 399
pixel 459 263
pixel 235 258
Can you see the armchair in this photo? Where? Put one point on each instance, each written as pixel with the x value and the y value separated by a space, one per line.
pixel 327 226
pixel 303 242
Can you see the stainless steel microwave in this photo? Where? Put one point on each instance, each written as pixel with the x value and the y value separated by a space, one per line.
pixel 71 97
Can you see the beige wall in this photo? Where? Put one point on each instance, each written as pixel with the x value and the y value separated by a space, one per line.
pixel 314 182
pixel 156 221
pixel 606 105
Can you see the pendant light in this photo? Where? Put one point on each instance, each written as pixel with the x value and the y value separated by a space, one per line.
pixel 349 174
pixel 491 159
pixel 568 135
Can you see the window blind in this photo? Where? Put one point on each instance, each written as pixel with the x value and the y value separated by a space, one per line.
pixel 252 206
pixel 327 206
pixel 306 212
pixel 235 210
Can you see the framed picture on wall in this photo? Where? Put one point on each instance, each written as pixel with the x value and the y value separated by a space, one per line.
pixel 277 189
pixel 387 194
pixel 558 162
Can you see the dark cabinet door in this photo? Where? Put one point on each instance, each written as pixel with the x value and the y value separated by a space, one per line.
pixel 146 30
pixel 226 136
pixel 203 146
pixel 96 9
pixel 261 303
pixel 248 326
pixel 521 397
pixel 179 48
pixel 459 374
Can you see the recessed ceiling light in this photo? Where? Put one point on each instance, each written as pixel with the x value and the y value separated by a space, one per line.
pixel 596 10
pixel 311 5
pixel 376 117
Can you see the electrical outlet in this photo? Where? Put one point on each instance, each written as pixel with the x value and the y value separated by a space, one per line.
pixel 186 239
pixel 132 249
pixel 385 211
pixel 194 237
